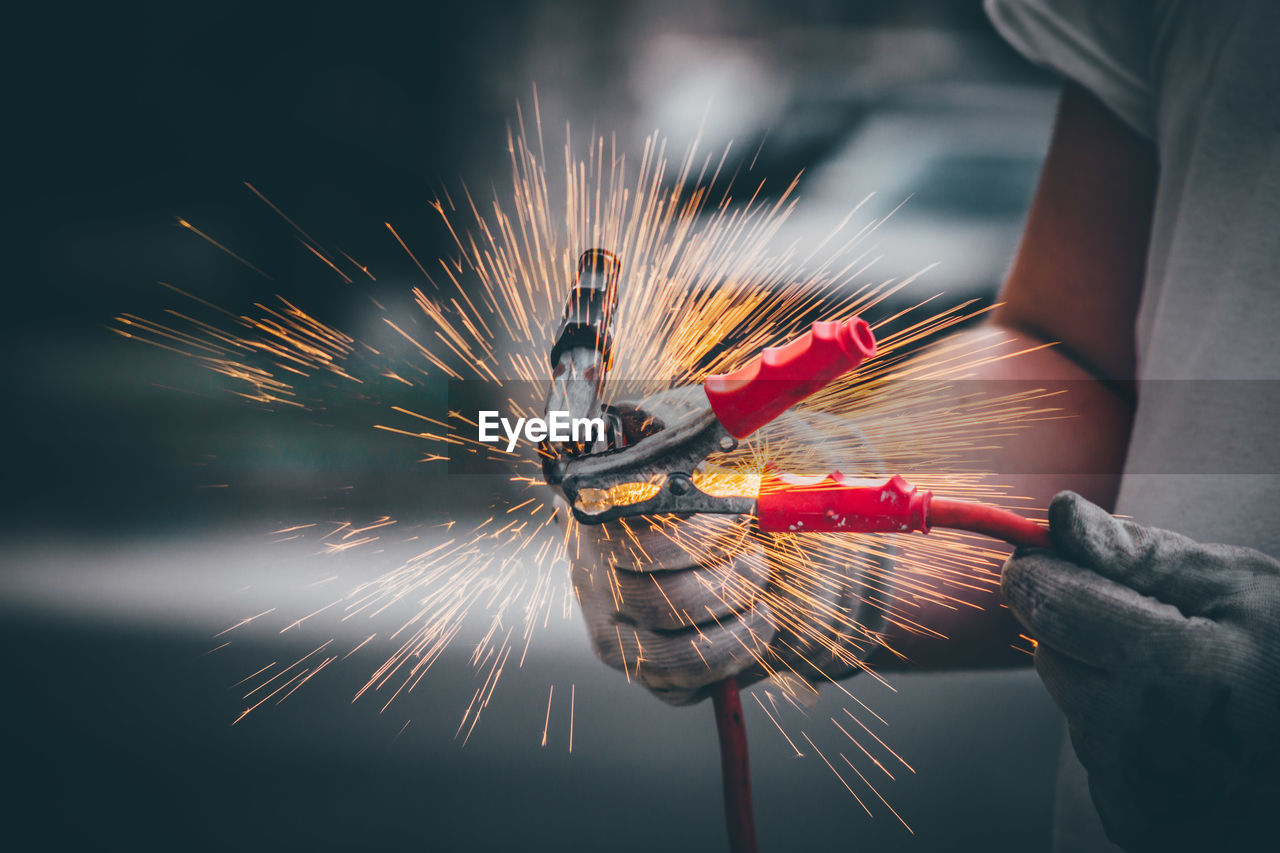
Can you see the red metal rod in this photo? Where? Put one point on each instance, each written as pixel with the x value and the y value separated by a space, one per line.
pixel 734 767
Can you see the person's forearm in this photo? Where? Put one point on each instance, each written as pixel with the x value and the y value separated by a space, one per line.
pixel 1084 445
pixel 1077 278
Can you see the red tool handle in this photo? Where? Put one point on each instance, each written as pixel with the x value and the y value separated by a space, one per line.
pixel 780 377
pixel 839 504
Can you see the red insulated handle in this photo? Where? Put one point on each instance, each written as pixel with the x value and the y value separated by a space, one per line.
pixel 840 504
pixel 837 503
pixel 780 377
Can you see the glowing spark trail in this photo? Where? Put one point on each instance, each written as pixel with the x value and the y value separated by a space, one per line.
pixel 704 288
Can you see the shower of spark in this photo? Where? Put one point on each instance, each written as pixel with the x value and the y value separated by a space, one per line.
pixel 703 288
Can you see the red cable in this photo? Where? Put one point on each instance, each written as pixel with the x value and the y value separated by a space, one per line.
pixel 734 766
pixel 941 512
pixel 989 521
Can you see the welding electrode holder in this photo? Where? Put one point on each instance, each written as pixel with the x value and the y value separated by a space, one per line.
pixel 738 404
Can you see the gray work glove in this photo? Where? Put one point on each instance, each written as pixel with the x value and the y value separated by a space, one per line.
pixel 680 603
pixel 1164 654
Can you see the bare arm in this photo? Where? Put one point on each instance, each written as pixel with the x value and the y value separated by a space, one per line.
pixel 1077 280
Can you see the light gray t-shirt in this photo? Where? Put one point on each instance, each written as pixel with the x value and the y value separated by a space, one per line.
pixel 1201 79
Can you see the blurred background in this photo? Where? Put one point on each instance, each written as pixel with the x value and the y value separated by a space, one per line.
pixel 140 496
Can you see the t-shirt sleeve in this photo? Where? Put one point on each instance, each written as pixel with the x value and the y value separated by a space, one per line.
pixel 1103 45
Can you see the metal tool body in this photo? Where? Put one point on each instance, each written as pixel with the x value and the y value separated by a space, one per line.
pixel 667 459
pixel 581 356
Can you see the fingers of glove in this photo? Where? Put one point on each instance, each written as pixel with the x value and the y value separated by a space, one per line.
pixel 817 613
pixel 677 660
pixel 1159 563
pixel 662 544
pixel 706 654
pixel 673 600
pixel 680 695
pixel 825 629
pixel 1102 623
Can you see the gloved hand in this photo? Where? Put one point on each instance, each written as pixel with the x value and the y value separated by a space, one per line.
pixel 679 604
pixel 1164 654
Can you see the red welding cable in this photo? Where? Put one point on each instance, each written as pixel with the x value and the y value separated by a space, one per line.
pixel 989 521
pixel 734 766
pixel 942 512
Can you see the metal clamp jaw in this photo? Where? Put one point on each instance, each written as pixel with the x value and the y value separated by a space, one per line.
pixel 666 459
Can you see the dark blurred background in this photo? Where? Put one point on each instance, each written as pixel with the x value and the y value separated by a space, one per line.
pixel 139 494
